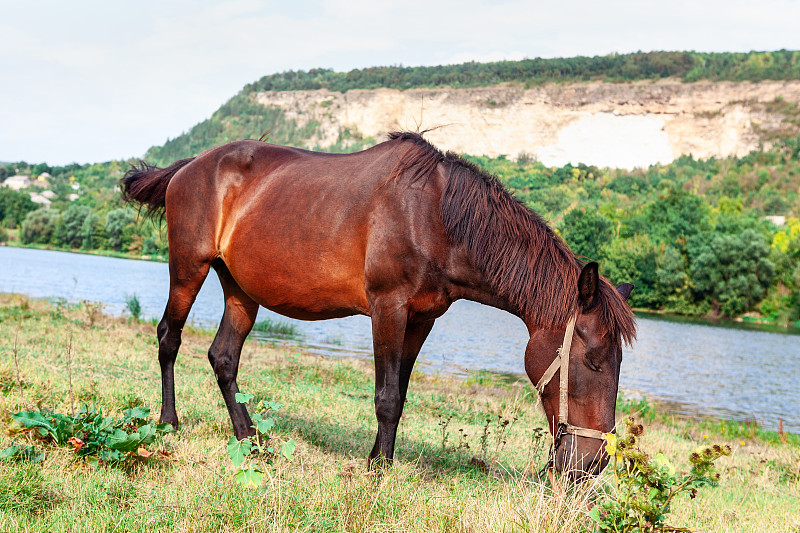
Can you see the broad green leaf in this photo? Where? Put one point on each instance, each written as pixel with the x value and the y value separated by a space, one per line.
pixel 165 428
pixel 137 413
pixel 594 514
pixel 32 419
pixel 242 397
pixel 661 462
pixel 22 453
pixel 287 450
pixel 238 450
pixel 250 478
pixel 263 426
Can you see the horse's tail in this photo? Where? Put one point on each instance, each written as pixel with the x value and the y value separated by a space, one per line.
pixel 146 185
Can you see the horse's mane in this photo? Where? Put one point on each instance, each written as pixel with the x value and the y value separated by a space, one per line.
pixel 521 257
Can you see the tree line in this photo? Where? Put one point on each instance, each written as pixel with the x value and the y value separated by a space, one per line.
pixel 687 66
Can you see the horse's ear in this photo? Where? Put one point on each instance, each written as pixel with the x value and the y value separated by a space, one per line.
pixel 588 286
pixel 625 290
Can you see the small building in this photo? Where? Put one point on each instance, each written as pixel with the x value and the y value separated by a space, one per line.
pixel 42 180
pixel 40 199
pixel 17 182
pixel 778 220
pixel 48 194
pixel 72 197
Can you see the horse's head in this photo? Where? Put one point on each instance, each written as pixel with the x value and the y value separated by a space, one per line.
pixel 593 377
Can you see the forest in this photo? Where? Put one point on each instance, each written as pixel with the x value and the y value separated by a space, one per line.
pixel 687 66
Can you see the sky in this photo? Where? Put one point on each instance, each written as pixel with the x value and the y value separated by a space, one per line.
pixel 90 81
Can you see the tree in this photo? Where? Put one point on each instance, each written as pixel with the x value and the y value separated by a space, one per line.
pixel 586 232
pixel 732 271
pixel 634 261
pixel 88 231
pixel 674 218
pixel 119 224
pixel 14 205
pixel 39 226
pixel 70 229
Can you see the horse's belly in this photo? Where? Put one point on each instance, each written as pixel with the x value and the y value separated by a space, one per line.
pixel 302 287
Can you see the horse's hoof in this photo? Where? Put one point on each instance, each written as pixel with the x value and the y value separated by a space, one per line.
pixel 171 421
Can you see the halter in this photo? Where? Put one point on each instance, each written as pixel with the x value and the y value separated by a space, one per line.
pixel 561 362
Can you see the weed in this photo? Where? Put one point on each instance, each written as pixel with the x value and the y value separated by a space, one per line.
pixel 252 455
pixel 645 487
pixel 444 423
pixel 59 307
pixel 641 407
pixel 133 306
pixel 92 311
pixel 89 433
pixel 501 425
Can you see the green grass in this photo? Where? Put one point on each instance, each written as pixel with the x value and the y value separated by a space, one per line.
pixel 276 328
pixel 328 411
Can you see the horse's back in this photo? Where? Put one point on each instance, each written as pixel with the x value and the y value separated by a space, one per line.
pixel 295 228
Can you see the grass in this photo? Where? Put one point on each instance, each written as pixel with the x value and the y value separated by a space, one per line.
pixel 276 328
pixel 328 412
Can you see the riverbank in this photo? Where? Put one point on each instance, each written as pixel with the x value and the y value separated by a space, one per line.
pixel 101 253
pixel 437 483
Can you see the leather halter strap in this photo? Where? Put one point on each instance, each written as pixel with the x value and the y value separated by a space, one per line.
pixel 561 362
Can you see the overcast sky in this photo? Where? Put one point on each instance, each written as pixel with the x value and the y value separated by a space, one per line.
pixel 89 81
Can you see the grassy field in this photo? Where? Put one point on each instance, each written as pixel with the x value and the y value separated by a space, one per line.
pixel 439 481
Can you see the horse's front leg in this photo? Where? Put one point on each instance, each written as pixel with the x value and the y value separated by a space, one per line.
pixel 388 332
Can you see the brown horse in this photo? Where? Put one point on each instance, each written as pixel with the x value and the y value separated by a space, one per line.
pixel 397 232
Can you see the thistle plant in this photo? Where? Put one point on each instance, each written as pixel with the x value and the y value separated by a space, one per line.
pixel 644 487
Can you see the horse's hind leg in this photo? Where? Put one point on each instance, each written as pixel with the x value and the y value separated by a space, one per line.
pixel 185 280
pixel 237 321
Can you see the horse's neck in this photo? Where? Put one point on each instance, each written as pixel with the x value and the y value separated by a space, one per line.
pixel 471 285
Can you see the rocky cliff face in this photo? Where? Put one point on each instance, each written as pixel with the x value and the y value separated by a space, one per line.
pixel 618 125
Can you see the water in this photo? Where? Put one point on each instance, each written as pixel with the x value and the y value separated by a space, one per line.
pixel 701 369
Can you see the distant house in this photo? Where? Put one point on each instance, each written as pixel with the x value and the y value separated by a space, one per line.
pixel 17 182
pixel 40 199
pixel 42 180
pixel 778 220
pixel 72 197
pixel 48 194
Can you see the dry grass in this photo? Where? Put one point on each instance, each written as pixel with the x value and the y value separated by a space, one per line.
pixel 328 411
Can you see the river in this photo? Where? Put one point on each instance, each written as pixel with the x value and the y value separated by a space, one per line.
pixel 700 369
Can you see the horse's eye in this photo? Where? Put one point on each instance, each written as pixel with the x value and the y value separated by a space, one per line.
pixel 591 365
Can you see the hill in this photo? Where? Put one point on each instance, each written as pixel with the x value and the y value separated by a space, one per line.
pixel 618 111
